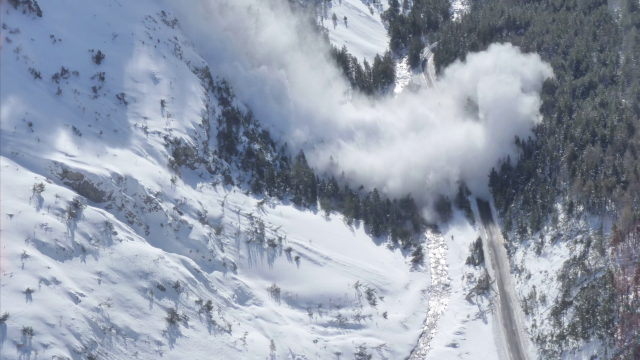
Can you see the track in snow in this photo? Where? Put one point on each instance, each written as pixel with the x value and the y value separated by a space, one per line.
pixel 439 293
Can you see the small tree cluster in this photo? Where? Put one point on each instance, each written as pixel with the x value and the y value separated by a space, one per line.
pixel 75 208
pixel 122 97
pixel 476 253
pixel 30 6
pixel 177 286
pixel 38 188
pixel 206 307
pixel 274 291
pixel 100 76
pixel 36 74
pixel 462 202
pixel 169 22
pixel 173 318
pixel 406 30
pixel 417 255
pixel 4 317
pixel 98 57
pixel 27 331
pixel 370 295
pixel 202 217
pixel 443 208
pixel 76 130
pixel 368 79
pixel 361 353
pixel 63 74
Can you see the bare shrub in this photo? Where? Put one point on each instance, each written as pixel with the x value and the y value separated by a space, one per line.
pixel 173 318
pixel 75 208
pixel 122 97
pixel 38 188
pixel 98 57
pixel 361 353
pixel 27 331
pixel 274 291
pixel 417 255
pixel 370 295
pixel 36 74
pixel 4 317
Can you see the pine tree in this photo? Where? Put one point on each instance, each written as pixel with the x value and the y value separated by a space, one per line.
pixel 415 50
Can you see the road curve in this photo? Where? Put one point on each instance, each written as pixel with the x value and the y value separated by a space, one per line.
pixel 429 67
pixel 501 271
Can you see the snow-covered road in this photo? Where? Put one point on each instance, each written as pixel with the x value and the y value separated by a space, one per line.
pixel 429 70
pixel 508 309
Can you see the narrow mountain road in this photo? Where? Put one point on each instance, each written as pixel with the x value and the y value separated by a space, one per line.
pixel 425 75
pixel 507 313
pixel 429 70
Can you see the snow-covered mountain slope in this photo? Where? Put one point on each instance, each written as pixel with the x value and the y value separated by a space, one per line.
pixel 363 32
pixel 565 260
pixel 98 292
pixel 115 245
pixel 95 261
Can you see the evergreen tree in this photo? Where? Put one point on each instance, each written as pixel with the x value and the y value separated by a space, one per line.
pixel 415 50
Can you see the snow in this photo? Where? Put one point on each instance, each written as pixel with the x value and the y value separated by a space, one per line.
pixel 404 75
pixel 541 271
pixel 363 33
pixel 459 8
pixel 466 329
pixel 95 288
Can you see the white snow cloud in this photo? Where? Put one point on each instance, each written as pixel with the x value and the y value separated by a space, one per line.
pixel 420 143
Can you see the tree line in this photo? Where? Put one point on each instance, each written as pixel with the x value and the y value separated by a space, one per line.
pixel 368 79
pixel 409 24
pixel 246 155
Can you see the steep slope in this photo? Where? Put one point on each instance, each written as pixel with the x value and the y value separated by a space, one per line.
pixel 363 33
pixel 129 249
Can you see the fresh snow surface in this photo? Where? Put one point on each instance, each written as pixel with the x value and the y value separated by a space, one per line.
pixel 466 329
pixel 363 33
pixel 458 325
pixel 404 75
pixel 97 290
pixel 458 8
pixel 541 272
pixel 438 293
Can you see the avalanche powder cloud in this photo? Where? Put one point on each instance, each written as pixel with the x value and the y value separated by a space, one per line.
pixel 421 143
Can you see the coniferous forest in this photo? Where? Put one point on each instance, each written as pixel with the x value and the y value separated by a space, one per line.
pixel 582 160
pixel 243 145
